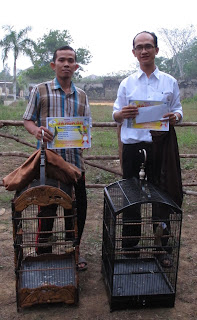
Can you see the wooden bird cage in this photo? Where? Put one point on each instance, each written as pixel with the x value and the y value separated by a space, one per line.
pixel 45 249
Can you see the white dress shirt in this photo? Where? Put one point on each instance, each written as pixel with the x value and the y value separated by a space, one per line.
pixel 158 87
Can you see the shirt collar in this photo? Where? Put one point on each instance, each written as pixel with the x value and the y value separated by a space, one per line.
pixel 155 73
pixel 57 86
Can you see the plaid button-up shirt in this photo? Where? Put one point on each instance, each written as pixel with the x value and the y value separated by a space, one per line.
pixel 49 100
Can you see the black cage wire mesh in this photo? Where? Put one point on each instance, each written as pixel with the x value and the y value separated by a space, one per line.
pixel 137 240
pixel 45 248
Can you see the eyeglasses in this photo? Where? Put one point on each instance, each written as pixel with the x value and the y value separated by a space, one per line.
pixel 146 47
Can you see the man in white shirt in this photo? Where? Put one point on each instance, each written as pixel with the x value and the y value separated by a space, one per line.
pixel 149 83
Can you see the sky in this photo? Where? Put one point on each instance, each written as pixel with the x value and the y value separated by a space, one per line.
pixel 105 27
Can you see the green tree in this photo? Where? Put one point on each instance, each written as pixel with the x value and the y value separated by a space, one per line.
pixel 21 82
pixel 177 40
pixel 43 55
pixel 17 43
pixel 45 46
pixel 166 65
pixel 5 74
pixel 189 56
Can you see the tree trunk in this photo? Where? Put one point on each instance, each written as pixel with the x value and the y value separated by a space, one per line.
pixel 14 81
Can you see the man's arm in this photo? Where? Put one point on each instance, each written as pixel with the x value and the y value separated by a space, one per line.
pixel 32 128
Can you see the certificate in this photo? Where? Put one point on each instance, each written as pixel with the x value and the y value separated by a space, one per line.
pixel 150 115
pixel 69 132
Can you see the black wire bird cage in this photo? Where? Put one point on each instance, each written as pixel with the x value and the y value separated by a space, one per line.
pixel 140 247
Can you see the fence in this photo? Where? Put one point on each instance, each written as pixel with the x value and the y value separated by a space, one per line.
pixel 91 157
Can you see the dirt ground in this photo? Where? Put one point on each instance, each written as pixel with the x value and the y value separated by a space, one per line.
pixel 93 301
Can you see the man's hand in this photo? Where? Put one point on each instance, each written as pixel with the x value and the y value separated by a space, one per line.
pixel 129 112
pixel 172 117
pixel 48 136
pixel 32 128
pixel 126 113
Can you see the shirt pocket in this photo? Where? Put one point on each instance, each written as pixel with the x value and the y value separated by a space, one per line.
pixel 167 96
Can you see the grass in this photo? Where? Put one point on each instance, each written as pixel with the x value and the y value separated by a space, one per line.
pixel 104 140
pixel 187 139
pixel 101 113
pixel 190 109
pixel 12 112
pixel 187 135
pixel 4 198
pixel 15 112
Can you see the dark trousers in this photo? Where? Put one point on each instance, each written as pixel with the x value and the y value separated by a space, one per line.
pixel 46 225
pixel 131 162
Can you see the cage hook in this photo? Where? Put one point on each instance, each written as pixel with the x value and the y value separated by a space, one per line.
pixel 142 168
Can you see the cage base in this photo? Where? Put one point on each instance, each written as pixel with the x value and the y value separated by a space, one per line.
pixel 43 281
pixel 139 283
pixel 157 301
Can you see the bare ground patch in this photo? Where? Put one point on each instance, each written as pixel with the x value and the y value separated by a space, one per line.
pixel 93 301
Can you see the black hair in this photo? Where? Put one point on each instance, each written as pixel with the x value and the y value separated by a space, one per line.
pixel 151 33
pixel 64 48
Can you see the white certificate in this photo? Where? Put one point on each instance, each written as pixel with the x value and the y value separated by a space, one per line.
pixel 152 113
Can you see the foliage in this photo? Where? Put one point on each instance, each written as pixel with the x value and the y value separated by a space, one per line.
pixel 181 64
pixel 21 82
pixel 13 112
pixel 177 40
pixel 189 57
pixel 17 43
pixel 38 73
pixel 5 74
pixel 186 58
pixel 164 64
pixel 44 49
pixel 40 52
pixel 187 138
pixel 2 98
pixel 5 77
pixel 91 79
pixel 43 55
pixel 192 100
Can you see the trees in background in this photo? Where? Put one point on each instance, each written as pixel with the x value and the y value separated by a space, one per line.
pixel 178 43
pixel 40 53
pixel 179 60
pixel 43 55
pixel 5 74
pixel 180 54
pixel 187 58
pixel 18 43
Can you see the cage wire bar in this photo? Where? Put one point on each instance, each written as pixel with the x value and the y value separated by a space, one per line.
pixel 45 247
pixel 134 276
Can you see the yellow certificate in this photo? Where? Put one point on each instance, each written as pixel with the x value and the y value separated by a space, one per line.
pixel 70 132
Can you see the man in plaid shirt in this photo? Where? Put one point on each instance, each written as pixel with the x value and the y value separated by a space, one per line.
pixel 61 98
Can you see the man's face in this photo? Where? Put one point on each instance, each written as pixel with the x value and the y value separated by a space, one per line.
pixel 65 64
pixel 145 50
